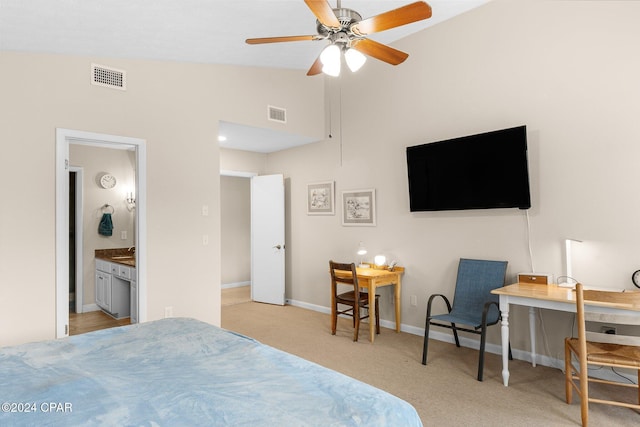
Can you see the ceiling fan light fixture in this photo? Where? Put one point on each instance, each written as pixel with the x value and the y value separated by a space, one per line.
pixel 355 60
pixel 330 58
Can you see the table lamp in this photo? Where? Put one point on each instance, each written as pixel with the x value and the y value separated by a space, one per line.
pixel 567 264
pixel 362 251
pixel 379 260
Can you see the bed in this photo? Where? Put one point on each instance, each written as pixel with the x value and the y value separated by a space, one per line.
pixel 181 371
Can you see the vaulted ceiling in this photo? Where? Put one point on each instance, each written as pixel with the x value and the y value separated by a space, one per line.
pixel 200 31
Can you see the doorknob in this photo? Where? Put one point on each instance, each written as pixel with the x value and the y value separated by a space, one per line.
pixel 277 247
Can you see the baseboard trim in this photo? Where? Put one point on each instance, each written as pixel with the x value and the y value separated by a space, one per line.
pixel 90 307
pixel 475 344
pixel 235 285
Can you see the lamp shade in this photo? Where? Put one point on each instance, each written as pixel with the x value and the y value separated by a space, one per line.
pixel 330 58
pixel 354 59
pixel 361 249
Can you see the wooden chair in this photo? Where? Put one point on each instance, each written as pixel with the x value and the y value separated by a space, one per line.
pixel 602 349
pixel 473 304
pixel 354 298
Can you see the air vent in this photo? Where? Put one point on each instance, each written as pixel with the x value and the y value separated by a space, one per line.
pixel 276 114
pixel 108 77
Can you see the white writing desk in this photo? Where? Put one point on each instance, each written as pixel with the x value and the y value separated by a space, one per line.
pixel 552 297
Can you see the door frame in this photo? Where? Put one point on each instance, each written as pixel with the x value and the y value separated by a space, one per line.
pixel 64 137
pixel 78 233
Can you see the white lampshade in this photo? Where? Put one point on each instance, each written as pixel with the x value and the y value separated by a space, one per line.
pixel 380 259
pixel 354 59
pixel 570 281
pixel 361 249
pixel 330 58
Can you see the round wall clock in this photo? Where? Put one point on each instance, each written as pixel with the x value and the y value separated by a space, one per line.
pixel 635 278
pixel 107 181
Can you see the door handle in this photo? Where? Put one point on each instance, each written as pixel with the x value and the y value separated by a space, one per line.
pixel 278 247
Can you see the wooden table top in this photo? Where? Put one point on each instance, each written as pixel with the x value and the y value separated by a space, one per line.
pixel 563 294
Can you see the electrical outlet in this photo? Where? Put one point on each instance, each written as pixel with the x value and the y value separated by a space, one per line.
pixel 168 312
pixel 414 300
pixel 123 235
pixel 611 330
pixel 205 239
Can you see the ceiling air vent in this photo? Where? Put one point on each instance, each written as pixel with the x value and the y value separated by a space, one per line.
pixel 108 77
pixel 276 114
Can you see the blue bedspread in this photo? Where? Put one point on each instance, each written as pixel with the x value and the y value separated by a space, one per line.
pixel 182 372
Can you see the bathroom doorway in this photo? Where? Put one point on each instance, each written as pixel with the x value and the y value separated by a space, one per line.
pixel 65 137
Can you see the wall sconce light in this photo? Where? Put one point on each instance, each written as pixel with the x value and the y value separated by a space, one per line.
pixel 131 201
pixel 362 251
pixel 570 281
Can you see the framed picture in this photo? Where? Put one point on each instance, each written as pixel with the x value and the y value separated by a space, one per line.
pixel 320 199
pixel 359 207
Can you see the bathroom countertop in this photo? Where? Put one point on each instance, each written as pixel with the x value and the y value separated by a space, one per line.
pixel 122 256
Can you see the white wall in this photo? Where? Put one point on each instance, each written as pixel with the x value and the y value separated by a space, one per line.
pixel 235 234
pixel 568 71
pixel 175 108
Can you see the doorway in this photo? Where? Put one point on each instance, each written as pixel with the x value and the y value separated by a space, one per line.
pixel 235 237
pixel 65 137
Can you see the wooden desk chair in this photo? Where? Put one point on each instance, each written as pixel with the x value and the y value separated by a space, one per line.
pixel 473 304
pixel 601 349
pixel 354 298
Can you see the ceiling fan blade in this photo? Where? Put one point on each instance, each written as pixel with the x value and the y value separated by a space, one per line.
pixel 394 18
pixel 316 68
pixel 323 11
pixel 281 39
pixel 379 51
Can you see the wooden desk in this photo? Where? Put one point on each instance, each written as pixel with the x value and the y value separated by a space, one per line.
pixel 552 297
pixel 372 278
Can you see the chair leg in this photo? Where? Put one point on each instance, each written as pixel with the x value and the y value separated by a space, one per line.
pixel 568 388
pixel 356 322
pixel 483 341
pixel 334 319
pixel 455 334
pixel 426 342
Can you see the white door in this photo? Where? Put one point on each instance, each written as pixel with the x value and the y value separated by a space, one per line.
pixel 267 239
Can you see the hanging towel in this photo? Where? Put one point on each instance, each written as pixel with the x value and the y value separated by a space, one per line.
pixel 106 225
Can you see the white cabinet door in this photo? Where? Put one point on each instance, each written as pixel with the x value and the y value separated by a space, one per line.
pixel 103 290
pixel 134 303
pixel 100 288
pixel 107 292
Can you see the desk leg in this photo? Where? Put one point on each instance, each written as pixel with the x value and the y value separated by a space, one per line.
pixel 532 334
pixel 504 310
pixel 397 301
pixel 372 311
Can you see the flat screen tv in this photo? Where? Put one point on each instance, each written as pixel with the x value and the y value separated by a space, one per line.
pixel 483 171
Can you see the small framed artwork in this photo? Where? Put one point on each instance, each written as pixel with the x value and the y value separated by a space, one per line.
pixel 320 199
pixel 359 207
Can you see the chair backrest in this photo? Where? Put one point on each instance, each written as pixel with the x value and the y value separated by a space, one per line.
pixel 476 279
pixel 347 279
pixel 614 298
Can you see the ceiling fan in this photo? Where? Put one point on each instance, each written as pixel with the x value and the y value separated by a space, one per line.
pixel 346 31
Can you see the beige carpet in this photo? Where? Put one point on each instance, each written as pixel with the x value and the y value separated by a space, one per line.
pixel 445 392
pixel 237 295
